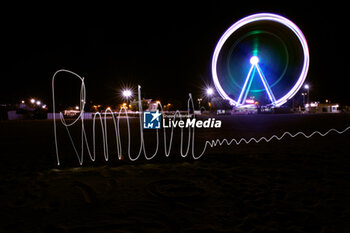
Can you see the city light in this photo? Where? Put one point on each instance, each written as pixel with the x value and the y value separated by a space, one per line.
pixel 210 91
pixel 32 101
pixel 254 60
pixel 307 87
pixel 127 93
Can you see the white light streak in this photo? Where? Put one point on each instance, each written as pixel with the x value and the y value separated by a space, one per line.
pixel 186 147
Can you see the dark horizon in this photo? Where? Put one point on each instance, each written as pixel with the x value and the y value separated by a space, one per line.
pixel 150 45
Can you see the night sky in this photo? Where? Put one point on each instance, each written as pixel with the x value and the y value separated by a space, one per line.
pixel 166 49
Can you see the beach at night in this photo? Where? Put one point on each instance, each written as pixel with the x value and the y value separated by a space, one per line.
pixel 291 185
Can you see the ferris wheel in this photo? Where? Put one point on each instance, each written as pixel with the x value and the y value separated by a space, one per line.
pixel 262 57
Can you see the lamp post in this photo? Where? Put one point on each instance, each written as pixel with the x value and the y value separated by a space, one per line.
pixel 209 92
pixel 127 94
pixel 303 94
pixel 199 102
pixel 307 88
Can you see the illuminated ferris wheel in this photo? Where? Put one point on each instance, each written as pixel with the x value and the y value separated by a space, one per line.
pixel 263 57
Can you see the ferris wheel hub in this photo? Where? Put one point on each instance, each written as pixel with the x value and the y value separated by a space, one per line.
pixel 254 60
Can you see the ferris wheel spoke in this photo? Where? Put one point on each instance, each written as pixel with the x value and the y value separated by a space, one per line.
pixel 249 85
pixel 248 82
pixel 266 85
pixel 244 90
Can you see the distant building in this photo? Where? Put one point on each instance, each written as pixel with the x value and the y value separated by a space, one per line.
pixel 328 108
pixel 152 105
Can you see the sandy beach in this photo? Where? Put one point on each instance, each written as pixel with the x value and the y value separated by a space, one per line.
pixel 292 185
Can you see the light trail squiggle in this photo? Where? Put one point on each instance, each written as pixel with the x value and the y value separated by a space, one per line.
pixel 219 142
pixel 142 149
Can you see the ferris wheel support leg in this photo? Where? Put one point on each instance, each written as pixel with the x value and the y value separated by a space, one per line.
pixel 244 89
pixel 249 85
pixel 266 85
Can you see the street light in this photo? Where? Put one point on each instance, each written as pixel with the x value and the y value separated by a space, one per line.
pixel 127 93
pixel 307 87
pixel 210 91
pixel 303 94
pixel 199 102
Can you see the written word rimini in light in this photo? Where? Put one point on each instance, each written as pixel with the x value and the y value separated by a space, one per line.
pixel 187 147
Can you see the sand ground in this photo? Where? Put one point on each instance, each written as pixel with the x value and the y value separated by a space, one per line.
pixel 292 185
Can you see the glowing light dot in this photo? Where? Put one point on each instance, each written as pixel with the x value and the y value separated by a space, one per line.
pixel 127 93
pixel 254 60
pixel 210 91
